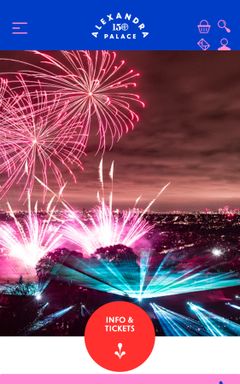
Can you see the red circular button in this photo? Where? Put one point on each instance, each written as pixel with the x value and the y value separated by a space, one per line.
pixel 119 336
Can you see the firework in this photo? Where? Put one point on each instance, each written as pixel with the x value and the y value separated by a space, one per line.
pixel 106 227
pixel 35 139
pixel 3 90
pixel 97 88
pixel 30 238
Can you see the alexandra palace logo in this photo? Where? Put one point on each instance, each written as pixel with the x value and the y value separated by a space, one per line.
pixel 120 26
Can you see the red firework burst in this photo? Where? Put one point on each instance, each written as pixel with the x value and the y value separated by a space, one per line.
pixel 35 138
pixel 97 88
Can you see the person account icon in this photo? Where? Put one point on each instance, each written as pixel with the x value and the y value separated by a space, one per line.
pixel 224 45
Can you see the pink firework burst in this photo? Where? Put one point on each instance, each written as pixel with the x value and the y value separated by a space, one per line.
pixel 96 86
pixel 36 140
pixel 106 227
pixel 3 90
pixel 31 237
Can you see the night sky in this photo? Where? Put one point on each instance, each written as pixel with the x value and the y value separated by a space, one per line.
pixel 188 135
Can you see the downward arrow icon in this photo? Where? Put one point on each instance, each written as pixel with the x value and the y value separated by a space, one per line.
pixel 119 353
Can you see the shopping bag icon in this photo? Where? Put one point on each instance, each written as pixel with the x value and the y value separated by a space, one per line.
pixel 204 26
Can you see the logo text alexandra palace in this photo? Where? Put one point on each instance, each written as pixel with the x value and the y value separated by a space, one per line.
pixel 120 26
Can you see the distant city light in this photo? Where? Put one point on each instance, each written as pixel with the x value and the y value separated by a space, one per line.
pixel 217 252
pixel 38 296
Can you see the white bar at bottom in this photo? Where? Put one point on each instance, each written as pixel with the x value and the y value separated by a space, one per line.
pixel 171 355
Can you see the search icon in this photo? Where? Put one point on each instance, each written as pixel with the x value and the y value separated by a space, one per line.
pixel 223 24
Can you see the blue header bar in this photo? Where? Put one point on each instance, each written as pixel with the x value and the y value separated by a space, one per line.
pixel 120 25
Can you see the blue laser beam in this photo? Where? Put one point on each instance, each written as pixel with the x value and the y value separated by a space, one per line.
pixel 48 320
pixel 139 281
pixel 233 306
pixel 175 324
pixel 215 325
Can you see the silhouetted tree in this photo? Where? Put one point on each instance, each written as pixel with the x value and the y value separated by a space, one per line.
pixel 46 264
pixel 116 254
